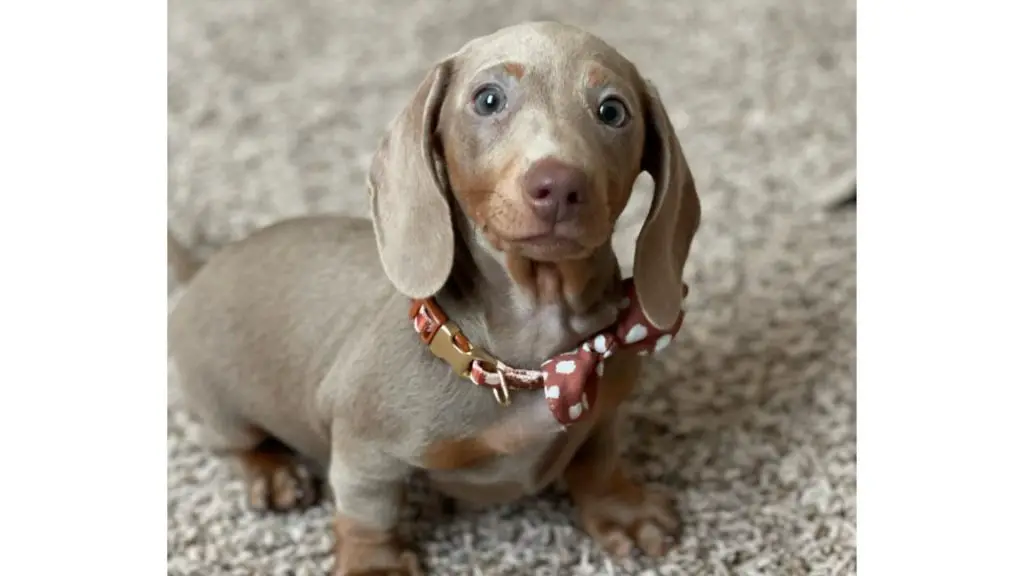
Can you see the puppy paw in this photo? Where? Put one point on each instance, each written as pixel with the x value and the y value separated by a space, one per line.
pixel 404 563
pixel 365 552
pixel 277 481
pixel 630 516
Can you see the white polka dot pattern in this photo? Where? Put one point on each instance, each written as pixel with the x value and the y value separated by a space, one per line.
pixel 576 373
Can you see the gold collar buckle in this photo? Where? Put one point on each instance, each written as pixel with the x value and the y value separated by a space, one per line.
pixel 445 346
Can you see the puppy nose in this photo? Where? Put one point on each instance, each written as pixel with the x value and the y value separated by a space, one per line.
pixel 554 190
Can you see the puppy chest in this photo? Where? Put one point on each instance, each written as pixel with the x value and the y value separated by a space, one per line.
pixel 518 455
pixel 498 478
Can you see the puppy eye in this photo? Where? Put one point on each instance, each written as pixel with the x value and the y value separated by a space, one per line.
pixel 613 112
pixel 489 100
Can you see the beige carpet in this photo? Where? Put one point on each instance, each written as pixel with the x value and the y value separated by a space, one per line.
pixel 274 108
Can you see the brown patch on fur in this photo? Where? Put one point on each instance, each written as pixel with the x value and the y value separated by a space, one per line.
pixel 503 438
pixel 501 442
pixel 276 478
pixel 362 551
pixel 596 77
pixel 458 453
pixel 621 374
pixel 479 193
pixel 507 202
pixel 516 70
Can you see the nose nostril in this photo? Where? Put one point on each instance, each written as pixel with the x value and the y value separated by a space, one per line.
pixel 555 191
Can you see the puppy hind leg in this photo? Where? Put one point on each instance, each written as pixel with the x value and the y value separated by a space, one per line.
pixel 276 478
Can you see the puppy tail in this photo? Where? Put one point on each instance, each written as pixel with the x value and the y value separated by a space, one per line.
pixel 183 265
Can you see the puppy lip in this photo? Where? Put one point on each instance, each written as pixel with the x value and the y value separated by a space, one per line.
pixel 548 240
pixel 553 245
pixel 549 247
pixel 555 232
pixel 534 238
pixel 550 237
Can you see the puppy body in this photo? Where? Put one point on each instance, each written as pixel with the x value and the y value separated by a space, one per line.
pixel 295 333
pixel 495 191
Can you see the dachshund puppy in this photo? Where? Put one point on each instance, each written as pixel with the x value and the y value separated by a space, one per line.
pixel 477 326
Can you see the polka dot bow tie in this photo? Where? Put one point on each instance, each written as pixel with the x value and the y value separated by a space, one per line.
pixel 569 380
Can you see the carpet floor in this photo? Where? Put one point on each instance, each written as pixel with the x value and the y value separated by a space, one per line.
pixel 274 108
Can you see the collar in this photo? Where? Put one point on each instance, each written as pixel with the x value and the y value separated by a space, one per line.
pixel 569 379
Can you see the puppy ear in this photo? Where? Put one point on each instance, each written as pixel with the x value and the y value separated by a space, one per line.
pixel 664 241
pixel 409 194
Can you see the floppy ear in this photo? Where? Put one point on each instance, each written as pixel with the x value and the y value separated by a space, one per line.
pixel 664 241
pixel 409 194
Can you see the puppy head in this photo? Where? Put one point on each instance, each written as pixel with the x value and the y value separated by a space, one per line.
pixel 537 133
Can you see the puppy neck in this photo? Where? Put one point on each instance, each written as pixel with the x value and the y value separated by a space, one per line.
pixel 529 310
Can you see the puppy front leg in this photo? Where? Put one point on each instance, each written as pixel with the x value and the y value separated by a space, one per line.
pixel 368 492
pixel 619 513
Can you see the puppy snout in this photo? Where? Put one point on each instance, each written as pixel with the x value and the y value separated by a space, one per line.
pixel 554 190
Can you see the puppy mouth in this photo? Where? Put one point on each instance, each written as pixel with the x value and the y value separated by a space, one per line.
pixel 517 230
pixel 548 246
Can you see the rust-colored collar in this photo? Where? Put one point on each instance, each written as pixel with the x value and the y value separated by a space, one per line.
pixel 569 379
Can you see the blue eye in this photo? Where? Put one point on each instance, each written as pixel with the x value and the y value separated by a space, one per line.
pixel 612 111
pixel 489 100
